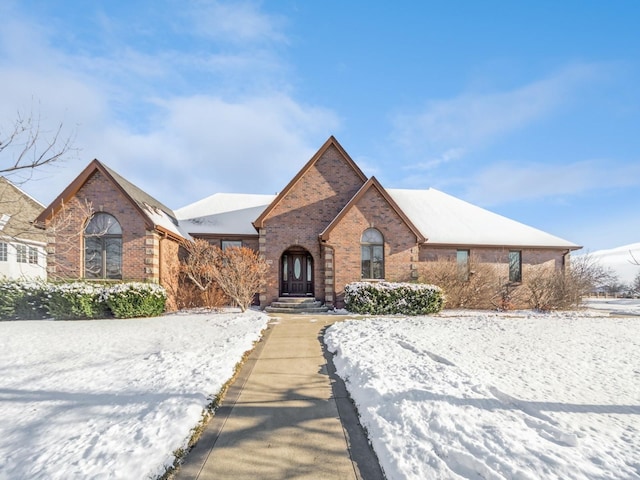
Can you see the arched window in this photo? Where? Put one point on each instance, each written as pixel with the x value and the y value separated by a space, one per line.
pixel 103 247
pixel 372 248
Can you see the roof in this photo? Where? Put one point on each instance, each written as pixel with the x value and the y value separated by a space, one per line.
pixel 158 216
pixel 331 141
pixel 17 211
pixel 372 183
pixel 447 220
pixel 223 213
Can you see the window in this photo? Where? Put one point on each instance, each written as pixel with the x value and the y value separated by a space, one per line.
pixel 231 243
pixel 372 249
pixel 515 266
pixel 103 247
pixel 33 255
pixel 3 252
pixel 21 253
pixel 462 259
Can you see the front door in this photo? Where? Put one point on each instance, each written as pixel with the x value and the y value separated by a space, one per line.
pixel 296 274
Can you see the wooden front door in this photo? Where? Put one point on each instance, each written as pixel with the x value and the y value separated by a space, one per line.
pixel 296 274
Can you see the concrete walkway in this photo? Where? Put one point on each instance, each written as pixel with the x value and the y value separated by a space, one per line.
pixel 287 416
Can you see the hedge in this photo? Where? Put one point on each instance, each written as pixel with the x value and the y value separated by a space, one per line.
pixel 22 300
pixel 385 298
pixel 127 300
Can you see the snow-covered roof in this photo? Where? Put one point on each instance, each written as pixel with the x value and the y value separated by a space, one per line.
pixel 162 219
pixel 223 213
pixel 444 219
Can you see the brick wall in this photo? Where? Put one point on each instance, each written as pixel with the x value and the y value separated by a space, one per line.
pixel 400 247
pixel 140 248
pixel 306 210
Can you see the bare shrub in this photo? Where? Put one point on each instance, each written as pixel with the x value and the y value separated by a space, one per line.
pixel 237 271
pixel 190 296
pixel 555 289
pixel 475 290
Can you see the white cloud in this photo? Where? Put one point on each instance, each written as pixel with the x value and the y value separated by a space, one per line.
pixel 237 22
pixel 445 129
pixel 512 182
pixel 206 144
pixel 146 115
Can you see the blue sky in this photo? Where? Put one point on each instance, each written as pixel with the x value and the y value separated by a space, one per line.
pixel 529 109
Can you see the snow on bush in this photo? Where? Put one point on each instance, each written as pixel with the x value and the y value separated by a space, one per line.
pixel 135 299
pixel 77 300
pixel 21 300
pixel 385 298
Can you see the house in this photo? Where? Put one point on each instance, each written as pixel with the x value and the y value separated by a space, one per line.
pixel 22 246
pixel 102 227
pixel 329 226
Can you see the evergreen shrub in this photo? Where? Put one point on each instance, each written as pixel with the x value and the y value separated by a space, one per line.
pixel 385 298
pixel 135 299
pixel 76 301
pixel 22 300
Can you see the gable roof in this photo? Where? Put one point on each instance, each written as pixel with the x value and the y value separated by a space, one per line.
pixel 157 216
pixel 223 213
pixel 369 184
pixel 18 209
pixel 448 220
pixel 331 141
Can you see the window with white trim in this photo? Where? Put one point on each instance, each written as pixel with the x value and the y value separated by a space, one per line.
pixel 3 252
pixel 21 254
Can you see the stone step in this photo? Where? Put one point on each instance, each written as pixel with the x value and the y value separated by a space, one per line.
pixel 296 299
pixel 296 305
pixel 322 309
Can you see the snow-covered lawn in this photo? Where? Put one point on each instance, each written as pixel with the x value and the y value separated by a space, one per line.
pixel 111 398
pixel 618 306
pixel 490 396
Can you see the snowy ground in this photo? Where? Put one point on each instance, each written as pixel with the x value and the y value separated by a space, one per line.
pixel 489 396
pixel 617 306
pixel 111 398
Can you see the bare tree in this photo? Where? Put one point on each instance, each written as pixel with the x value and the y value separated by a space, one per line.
pixel 635 286
pixel 25 147
pixel 64 240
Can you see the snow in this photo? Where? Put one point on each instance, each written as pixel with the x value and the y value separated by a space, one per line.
pixel 620 260
pixel 111 398
pixel 617 306
pixel 444 219
pixel 223 213
pixel 163 220
pixel 496 396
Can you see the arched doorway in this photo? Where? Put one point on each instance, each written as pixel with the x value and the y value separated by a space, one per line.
pixel 296 273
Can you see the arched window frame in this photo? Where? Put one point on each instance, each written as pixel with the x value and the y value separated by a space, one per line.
pixel 102 247
pixel 372 254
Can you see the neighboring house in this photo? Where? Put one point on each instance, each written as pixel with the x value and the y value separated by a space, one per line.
pixel 22 246
pixel 102 227
pixel 330 225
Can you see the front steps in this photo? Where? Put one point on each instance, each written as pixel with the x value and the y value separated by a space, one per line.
pixel 296 305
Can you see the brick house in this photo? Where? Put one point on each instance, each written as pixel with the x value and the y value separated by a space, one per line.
pixel 332 225
pixel 329 226
pixel 102 227
pixel 22 246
